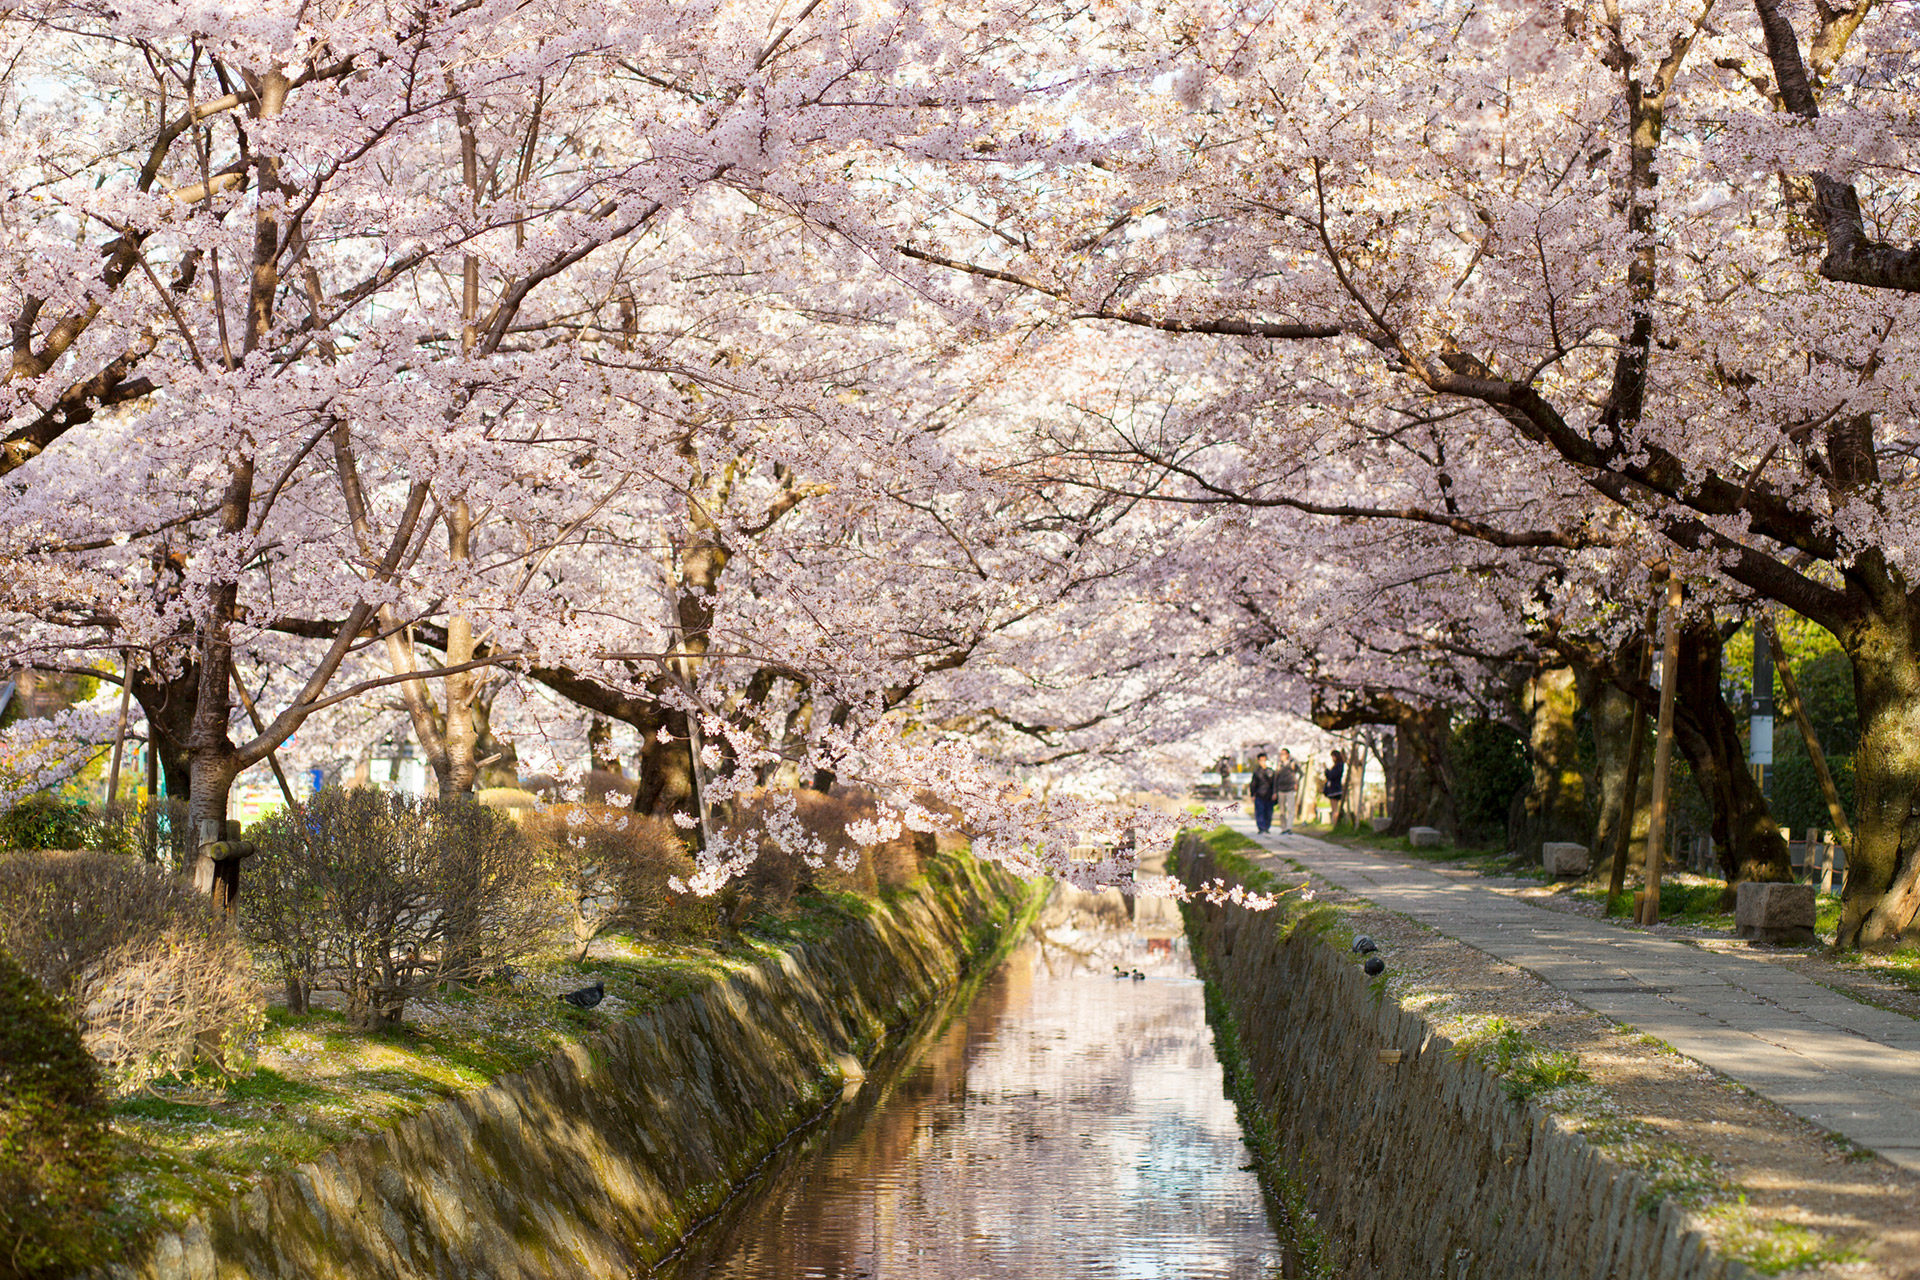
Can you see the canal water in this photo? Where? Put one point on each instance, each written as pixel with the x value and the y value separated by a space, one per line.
pixel 1054 1121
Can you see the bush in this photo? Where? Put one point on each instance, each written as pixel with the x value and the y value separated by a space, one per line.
pixel 613 867
pixel 152 829
pixel 153 971
pixel 1490 769
pixel 382 897
pixel 48 822
pixel 54 1142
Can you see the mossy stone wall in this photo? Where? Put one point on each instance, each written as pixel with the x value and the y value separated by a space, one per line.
pixel 1424 1166
pixel 595 1162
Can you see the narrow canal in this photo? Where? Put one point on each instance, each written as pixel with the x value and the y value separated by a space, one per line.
pixel 1063 1123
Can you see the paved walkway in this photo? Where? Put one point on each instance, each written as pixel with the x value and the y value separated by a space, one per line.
pixel 1848 1067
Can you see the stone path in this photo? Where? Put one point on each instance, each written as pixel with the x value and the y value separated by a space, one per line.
pixel 1848 1067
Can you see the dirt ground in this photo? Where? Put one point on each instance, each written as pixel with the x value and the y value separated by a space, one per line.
pixel 1763 1184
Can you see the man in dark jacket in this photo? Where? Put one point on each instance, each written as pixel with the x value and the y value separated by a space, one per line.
pixel 1263 788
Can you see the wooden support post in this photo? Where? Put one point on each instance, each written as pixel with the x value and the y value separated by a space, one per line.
pixel 1662 755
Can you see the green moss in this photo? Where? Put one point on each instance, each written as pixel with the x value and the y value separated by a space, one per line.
pixel 55 1157
pixel 1223 840
pixel 1287 1206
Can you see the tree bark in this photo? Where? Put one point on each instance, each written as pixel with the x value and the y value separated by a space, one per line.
pixel 1748 839
pixel 1420 780
pixel 1555 806
pixel 168 706
pixel 1883 868
pixel 1622 791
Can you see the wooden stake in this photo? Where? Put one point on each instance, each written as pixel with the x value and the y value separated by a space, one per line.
pixel 1662 756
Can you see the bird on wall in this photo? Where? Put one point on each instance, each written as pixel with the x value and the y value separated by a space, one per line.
pixel 1374 966
pixel 586 997
pixel 1364 945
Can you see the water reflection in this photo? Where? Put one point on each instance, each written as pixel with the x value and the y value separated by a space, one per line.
pixel 1067 1123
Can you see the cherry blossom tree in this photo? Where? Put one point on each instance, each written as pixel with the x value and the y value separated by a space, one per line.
pixel 1562 251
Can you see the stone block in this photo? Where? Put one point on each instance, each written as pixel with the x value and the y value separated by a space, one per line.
pixel 1781 913
pixel 1563 858
pixel 1379 824
pixel 1425 837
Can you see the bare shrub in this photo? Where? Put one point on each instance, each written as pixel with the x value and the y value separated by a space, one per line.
pixel 382 897
pixel 151 969
pixel 156 1005
pixel 613 867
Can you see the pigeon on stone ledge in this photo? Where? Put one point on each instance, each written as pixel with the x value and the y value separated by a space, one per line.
pixel 1364 946
pixel 1374 966
pixel 586 997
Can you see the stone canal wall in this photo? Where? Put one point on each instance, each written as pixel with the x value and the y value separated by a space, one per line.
pixel 1424 1167
pixel 595 1162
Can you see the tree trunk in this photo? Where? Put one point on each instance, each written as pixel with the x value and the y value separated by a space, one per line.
pixel 213 774
pixel 168 706
pixel 1420 777
pixel 600 753
pixel 1555 806
pixel 1708 732
pixel 666 770
pixel 1883 867
pixel 501 757
pixel 1613 713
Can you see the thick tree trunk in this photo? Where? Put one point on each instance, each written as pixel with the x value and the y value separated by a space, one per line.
pixel 666 770
pixel 1883 867
pixel 168 706
pixel 1613 714
pixel 213 773
pixel 1420 777
pixel 1706 729
pixel 1555 806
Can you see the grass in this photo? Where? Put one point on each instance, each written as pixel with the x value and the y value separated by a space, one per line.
pixel 1685 899
pixel 315 1081
pixel 1769 1247
pixel 1524 1067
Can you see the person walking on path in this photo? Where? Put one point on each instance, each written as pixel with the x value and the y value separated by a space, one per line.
pixel 1333 785
pixel 1263 789
pixel 1286 788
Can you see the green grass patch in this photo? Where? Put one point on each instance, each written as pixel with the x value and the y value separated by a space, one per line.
pixel 1772 1248
pixel 1900 967
pixel 317 1081
pixel 1523 1067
